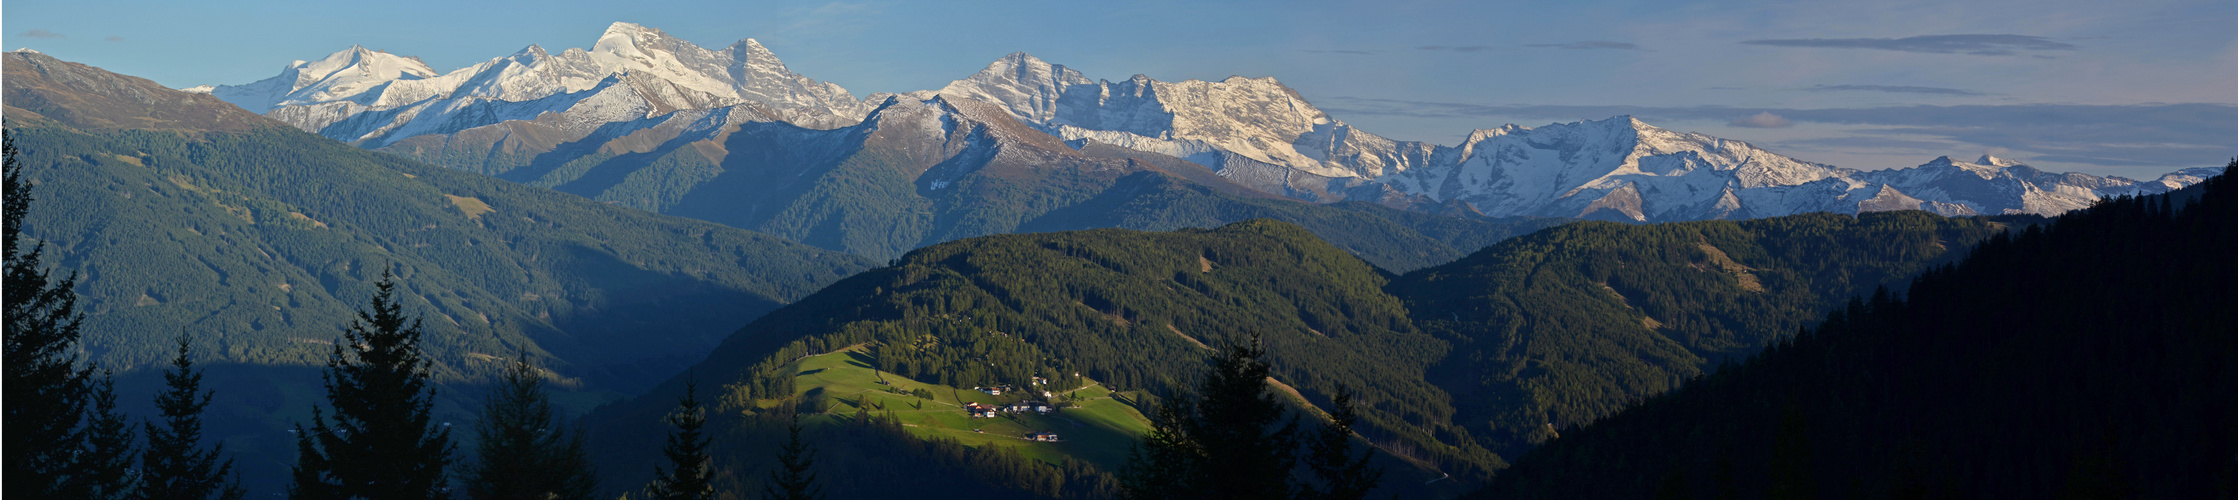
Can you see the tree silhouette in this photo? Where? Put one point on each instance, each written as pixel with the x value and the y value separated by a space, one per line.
pixel 524 453
pixel 691 471
pixel 1330 456
pixel 46 392
pixel 1231 443
pixel 382 442
pixel 104 468
pixel 792 480
pixel 175 467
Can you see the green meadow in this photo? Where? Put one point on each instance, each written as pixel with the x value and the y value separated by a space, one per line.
pixel 1091 423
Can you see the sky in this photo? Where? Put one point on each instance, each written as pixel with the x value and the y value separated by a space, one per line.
pixel 2134 88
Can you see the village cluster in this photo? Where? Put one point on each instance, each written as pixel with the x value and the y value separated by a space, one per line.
pixel 981 410
pixel 989 411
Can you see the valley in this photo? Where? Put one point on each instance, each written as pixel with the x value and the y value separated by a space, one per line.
pixel 681 243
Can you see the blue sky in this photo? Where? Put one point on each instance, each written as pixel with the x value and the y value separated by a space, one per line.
pixel 2132 88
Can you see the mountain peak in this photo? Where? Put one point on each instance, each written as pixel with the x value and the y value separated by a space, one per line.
pixel 627 39
pixel 1023 84
pixel 1024 68
pixel 629 28
pixel 368 62
pixel 533 51
pixel 1997 162
pixel 750 46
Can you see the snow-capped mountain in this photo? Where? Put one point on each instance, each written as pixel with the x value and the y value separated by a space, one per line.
pixel 1259 133
pixel 645 119
pixel 631 73
pixel 1624 169
pixel 1241 126
pixel 1992 185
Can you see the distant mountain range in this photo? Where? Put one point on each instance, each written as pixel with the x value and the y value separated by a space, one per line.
pixel 187 214
pixel 647 120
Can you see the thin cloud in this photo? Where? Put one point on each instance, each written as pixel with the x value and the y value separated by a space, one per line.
pixel 1587 45
pixel 1980 45
pixel 1897 89
pixel 1762 120
pixel 1340 51
pixel 1452 48
pixel 43 34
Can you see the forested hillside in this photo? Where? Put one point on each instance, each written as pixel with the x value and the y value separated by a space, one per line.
pixel 1392 239
pixel 1455 365
pixel 1131 310
pixel 1561 327
pixel 2093 358
pixel 188 216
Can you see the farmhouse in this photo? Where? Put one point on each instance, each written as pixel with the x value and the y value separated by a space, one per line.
pixel 1042 436
pixel 979 410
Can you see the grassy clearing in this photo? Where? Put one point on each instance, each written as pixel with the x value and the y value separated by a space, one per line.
pixel 472 207
pixel 1101 431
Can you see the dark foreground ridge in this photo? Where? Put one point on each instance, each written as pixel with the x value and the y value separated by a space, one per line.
pixel 2095 358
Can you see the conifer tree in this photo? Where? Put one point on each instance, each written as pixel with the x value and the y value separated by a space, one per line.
pixel 1162 463
pixel 525 453
pixel 382 443
pixel 1248 450
pixel 46 392
pixel 792 480
pixel 104 467
pixel 691 471
pixel 1330 456
pixel 175 467
pixel 1227 444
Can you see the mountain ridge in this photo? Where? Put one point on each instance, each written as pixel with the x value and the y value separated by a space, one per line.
pixel 1254 132
pixel 188 215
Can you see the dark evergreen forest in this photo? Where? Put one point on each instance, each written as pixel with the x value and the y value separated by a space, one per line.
pixel 2096 357
pixel 1455 366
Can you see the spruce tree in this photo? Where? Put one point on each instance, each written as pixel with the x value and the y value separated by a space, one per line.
pixel 1233 442
pixel 524 453
pixel 382 443
pixel 104 467
pixel 1248 449
pixel 175 467
pixel 46 391
pixel 792 480
pixel 691 471
pixel 1330 456
pixel 1162 463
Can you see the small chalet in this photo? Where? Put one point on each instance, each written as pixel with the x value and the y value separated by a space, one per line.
pixel 979 410
pixel 1042 436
